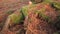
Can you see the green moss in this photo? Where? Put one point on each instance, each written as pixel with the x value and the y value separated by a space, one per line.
pixel 52 2
pixel 41 14
pixel 16 18
pixel 58 32
pixel 56 5
pixel 47 1
pixel 42 10
pixel 58 18
pixel 9 12
pixel 45 17
pixel 36 1
pixel 25 9
pixel 33 1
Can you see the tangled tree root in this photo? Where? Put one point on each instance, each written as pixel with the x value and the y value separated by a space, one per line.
pixel 35 24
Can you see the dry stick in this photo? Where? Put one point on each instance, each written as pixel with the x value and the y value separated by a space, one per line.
pixel 8 20
pixel 6 24
pixel 5 29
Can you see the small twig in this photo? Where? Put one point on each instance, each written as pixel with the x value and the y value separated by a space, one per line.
pixel 5 27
